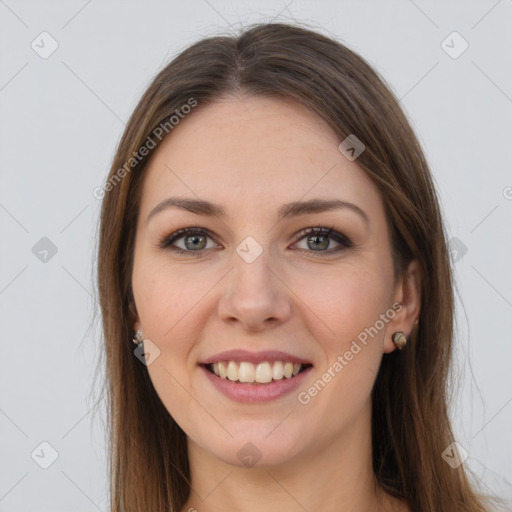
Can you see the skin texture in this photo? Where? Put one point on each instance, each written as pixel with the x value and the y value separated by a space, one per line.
pixel 251 155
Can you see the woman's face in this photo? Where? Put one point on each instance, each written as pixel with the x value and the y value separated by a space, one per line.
pixel 250 279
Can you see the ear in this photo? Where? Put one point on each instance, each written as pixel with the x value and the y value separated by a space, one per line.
pixel 132 311
pixel 407 293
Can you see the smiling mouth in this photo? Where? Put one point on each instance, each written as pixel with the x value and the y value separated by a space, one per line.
pixel 262 373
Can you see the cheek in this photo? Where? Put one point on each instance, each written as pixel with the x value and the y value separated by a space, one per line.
pixel 345 303
pixel 349 308
pixel 159 312
pixel 166 297
pixel 165 302
pixel 348 305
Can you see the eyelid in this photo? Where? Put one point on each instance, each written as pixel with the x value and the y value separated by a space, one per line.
pixel 166 241
pixel 343 241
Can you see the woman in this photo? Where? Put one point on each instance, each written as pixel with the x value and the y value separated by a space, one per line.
pixel 272 242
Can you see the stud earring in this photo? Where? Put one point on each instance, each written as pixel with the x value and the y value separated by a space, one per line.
pixel 399 340
pixel 138 339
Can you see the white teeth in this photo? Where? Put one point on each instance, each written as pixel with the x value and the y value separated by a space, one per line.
pixel 277 371
pixel 246 372
pixel 262 373
pixel 232 371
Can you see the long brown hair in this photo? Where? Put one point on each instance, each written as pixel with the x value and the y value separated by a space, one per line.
pixel 148 462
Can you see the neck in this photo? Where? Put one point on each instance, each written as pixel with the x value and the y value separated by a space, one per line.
pixel 333 477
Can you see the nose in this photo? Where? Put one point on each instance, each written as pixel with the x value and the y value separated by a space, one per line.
pixel 255 295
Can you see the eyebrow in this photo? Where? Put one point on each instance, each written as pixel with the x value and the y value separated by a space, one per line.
pixel 201 207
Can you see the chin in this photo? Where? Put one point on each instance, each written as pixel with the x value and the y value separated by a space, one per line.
pixel 258 449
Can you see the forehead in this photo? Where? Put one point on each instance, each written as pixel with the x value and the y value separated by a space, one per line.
pixel 255 152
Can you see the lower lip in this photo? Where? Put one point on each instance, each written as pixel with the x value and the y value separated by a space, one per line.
pixel 249 392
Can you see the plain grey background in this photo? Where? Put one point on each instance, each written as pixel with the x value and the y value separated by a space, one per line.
pixel 61 118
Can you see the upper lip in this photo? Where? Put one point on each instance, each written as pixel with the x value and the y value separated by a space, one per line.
pixel 255 357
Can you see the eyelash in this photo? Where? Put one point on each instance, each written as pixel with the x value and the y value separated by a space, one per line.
pixel 166 241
